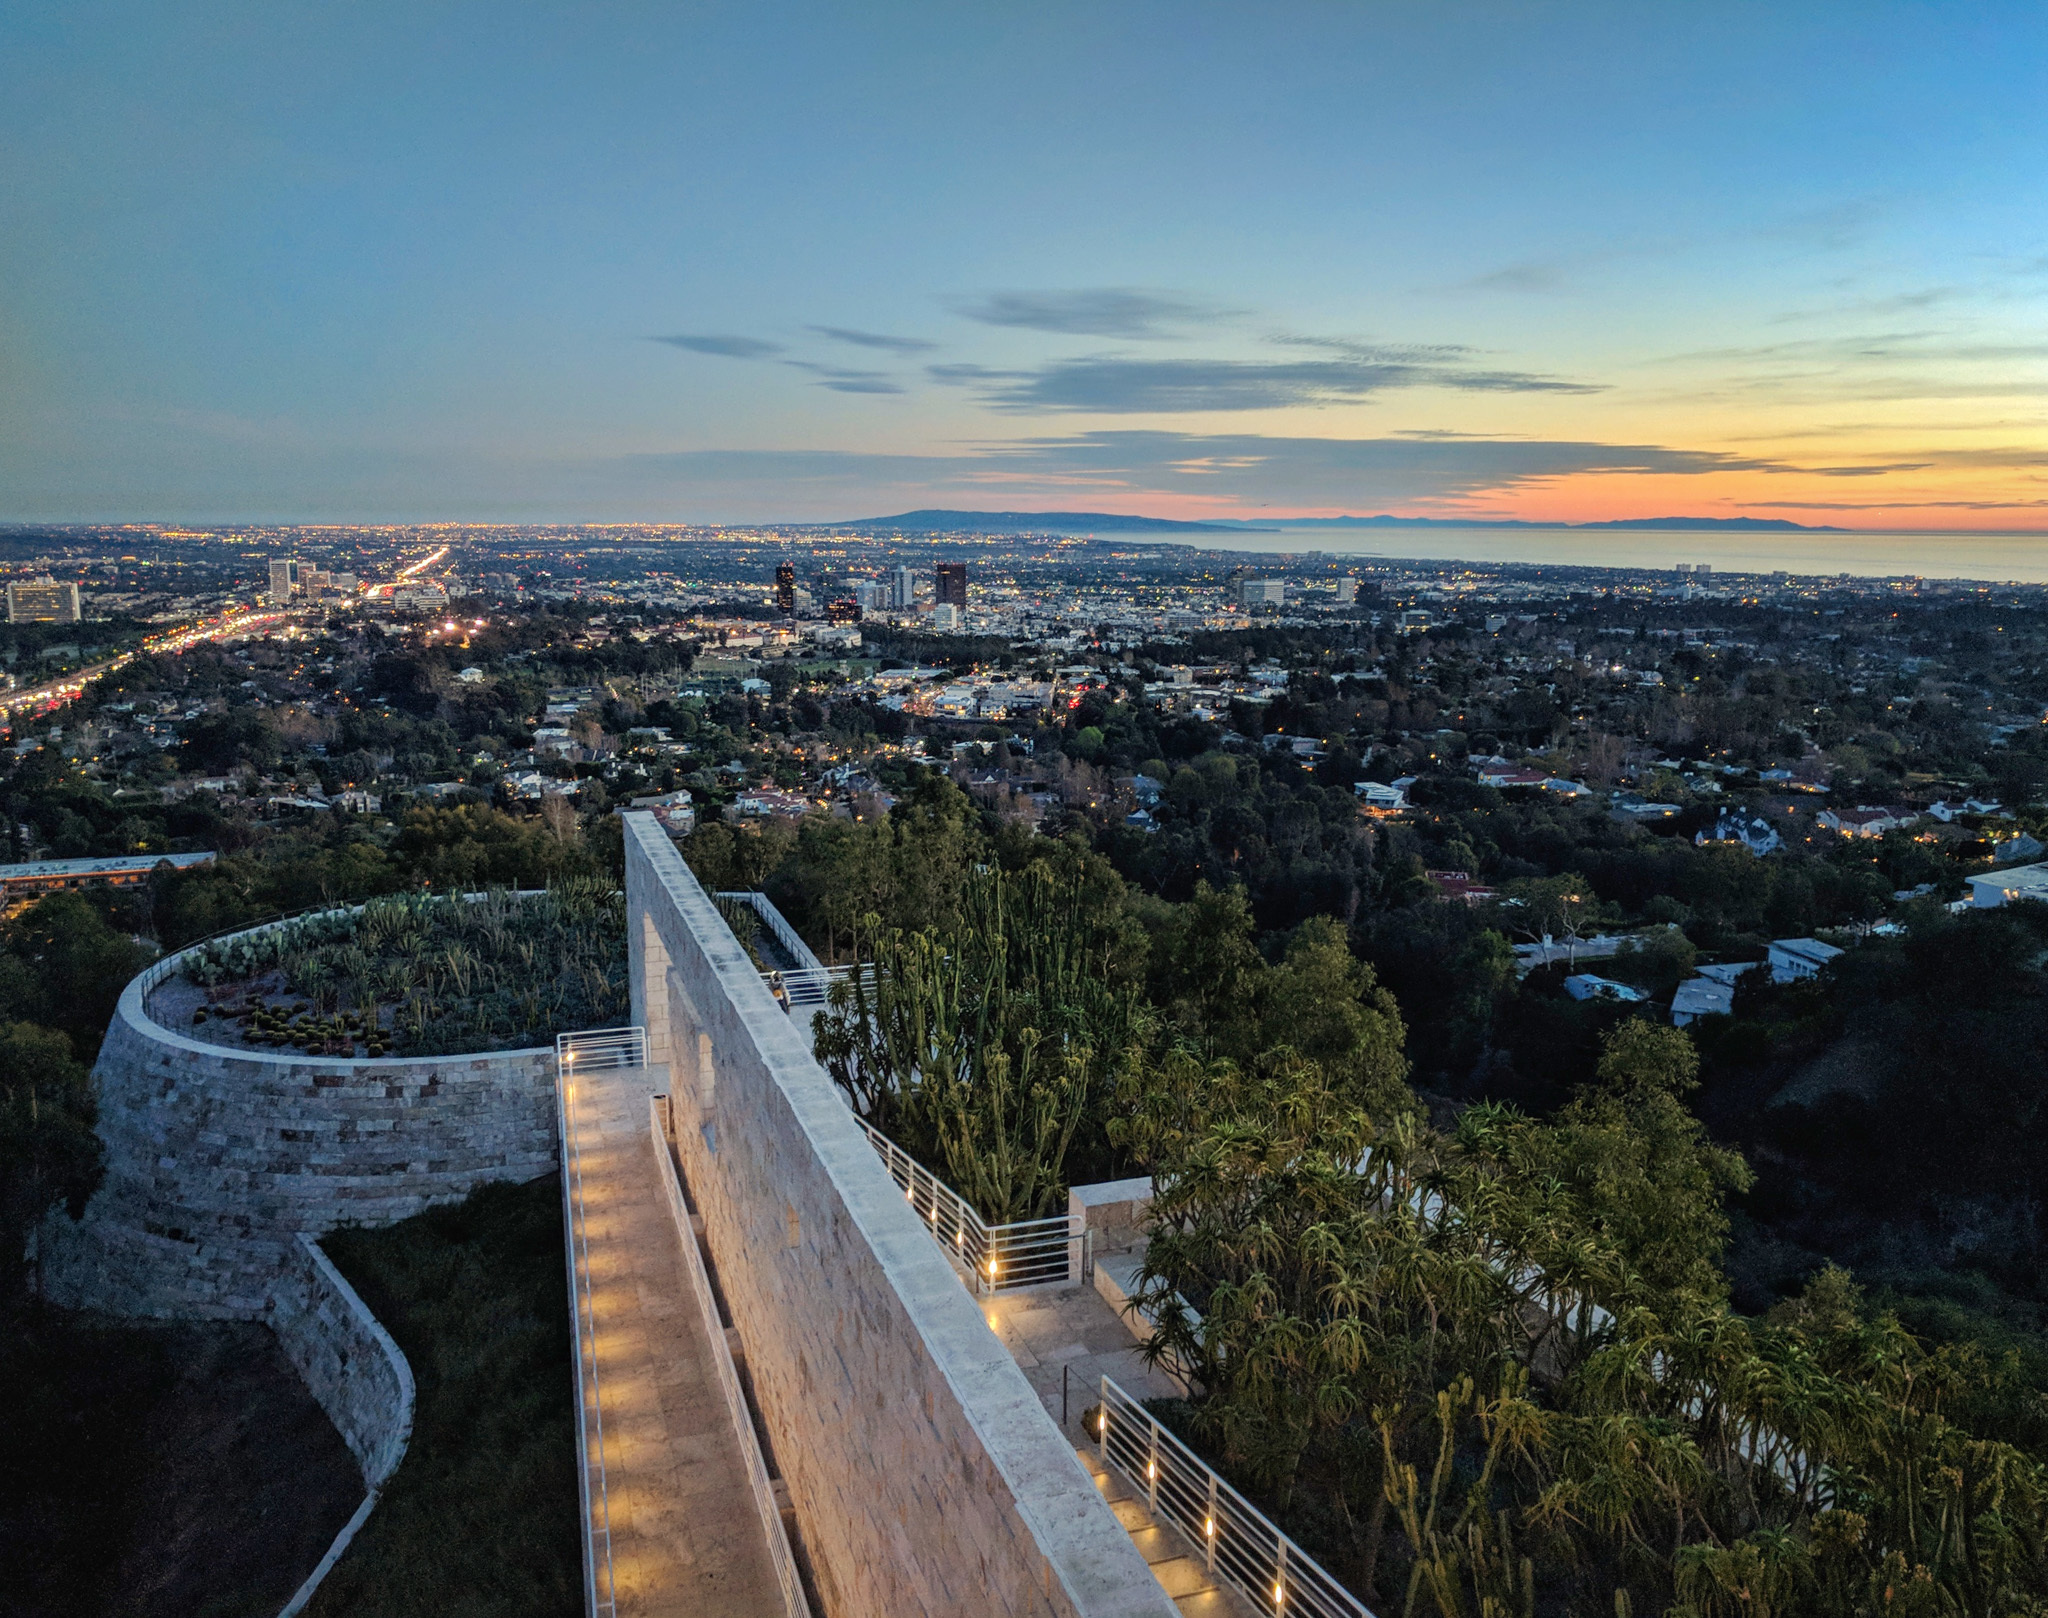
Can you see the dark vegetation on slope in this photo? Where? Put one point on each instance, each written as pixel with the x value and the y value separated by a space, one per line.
pixel 182 1471
pixel 482 1518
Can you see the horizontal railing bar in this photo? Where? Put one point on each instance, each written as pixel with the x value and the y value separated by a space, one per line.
pixel 1240 1542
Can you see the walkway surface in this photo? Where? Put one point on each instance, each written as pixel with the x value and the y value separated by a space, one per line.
pixel 1066 1338
pixel 685 1536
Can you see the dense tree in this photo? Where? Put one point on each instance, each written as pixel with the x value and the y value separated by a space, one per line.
pixel 49 1155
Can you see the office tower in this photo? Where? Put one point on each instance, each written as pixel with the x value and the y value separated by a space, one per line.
pixel 42 601
pixel 950 584
pixel 845 610
pixel 1262 592
pixel 945 616
pixel 870 595
pixel 283 575
pixel 1346 591
pixel 785 588
pixel 903 592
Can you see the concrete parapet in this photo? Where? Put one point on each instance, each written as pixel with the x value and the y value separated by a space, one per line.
pixel 925 1474
pixel 1118 1212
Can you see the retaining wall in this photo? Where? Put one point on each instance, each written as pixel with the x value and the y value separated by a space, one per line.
pixel 346 1359
pixel 925 1475
pixel 217 1159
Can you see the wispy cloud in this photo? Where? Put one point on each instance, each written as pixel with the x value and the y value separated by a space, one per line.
pixel 1243 470
pixel 1130 312
pixel 842 381
pixel 732 348
pixel 875 339
pixel 1113 385
pixel 1529 275
pixel 1830 227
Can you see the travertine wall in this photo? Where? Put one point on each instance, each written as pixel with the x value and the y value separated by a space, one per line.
pixel 348 1361
pixel 218 1158
pixel 926 1476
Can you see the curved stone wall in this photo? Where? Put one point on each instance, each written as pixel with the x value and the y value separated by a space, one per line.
pixel 218 1159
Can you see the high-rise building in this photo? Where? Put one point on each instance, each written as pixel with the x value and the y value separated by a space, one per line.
pixel 950 584
pixel 903 589
pixel 785 588
pixel 284 574
pixel 1262 592
pixel 1346 591
pixel 845 610
pixel 945 616
pixel 42 601
pixel 871 595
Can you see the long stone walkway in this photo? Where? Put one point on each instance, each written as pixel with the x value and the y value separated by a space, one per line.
pixel 685 1536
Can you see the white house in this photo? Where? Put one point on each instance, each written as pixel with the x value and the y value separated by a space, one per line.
pixel 1864 820
pixel 1381 798
pixel 1710 994
pixel 1752 832
pixel 1701 997
pixel 1995 888
pixel 1794 958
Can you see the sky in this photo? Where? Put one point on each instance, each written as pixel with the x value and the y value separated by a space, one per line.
pixel 780 262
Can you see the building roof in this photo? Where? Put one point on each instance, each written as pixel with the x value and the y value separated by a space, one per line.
pixel 119 865
pixel 1805 949
pixel 2020 882
pixel 1702 997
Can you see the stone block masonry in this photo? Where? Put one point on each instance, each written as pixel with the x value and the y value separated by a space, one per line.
pixel 225 1166
pixel 925 1475
pixel 347 1359
pixel 217 1159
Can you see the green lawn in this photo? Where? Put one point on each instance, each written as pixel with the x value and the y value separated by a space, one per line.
pixel 481 1520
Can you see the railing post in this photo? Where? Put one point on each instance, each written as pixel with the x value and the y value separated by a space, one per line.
pixel 1209 1527
pixel 1152 1470
pixel 1279 1574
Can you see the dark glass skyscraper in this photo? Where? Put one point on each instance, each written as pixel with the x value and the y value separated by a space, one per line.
pixel 950 587
pixel 785 588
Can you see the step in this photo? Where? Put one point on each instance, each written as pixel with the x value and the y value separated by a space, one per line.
pixel 1166 1551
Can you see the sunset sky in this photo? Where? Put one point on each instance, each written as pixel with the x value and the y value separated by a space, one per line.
pixel 759 262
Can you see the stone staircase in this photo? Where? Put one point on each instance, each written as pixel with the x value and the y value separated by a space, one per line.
pixel 1175 1563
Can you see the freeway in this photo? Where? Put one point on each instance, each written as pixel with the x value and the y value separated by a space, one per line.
pixel 54 693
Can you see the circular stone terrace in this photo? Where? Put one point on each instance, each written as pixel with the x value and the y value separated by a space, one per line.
pixel 221 1150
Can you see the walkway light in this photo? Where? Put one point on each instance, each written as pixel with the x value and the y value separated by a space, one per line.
pixel 1209 1526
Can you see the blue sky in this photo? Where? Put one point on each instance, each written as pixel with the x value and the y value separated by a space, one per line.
pixel 692 263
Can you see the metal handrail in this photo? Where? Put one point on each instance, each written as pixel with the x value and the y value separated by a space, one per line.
pixel 595 1049
pixel 794 1604
pixel 805 988
pixel 597 1520
pixel 778 924
pixel 1022 1253
pixel 1238 1543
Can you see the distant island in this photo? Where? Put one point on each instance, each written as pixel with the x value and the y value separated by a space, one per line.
pixel 1726 525
pixel 1106 522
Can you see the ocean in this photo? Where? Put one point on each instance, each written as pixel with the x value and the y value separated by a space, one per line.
pixel 1999 558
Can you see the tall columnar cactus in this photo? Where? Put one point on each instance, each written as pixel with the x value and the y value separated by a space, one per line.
pixel 981 1051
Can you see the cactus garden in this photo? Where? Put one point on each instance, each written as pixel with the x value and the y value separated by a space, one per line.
pixel 413 975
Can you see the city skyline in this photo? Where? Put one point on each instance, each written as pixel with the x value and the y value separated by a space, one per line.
pixel 1540 264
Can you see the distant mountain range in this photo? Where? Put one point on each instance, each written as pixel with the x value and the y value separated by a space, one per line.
pixel 1101 522
pixel 1731 525
pixel 1113 522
